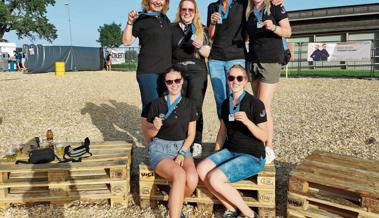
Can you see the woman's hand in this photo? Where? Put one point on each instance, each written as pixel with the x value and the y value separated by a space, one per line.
pixel 277 2
pixel 215 17
pixel 157 122
pixel 241 116
pixel 179 160
pixel 132 16
pixel 197 44
pixel 269 25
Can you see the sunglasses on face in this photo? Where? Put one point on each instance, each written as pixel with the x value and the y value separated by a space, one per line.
pixel 232 78
pixel 190 10
pixel 170 82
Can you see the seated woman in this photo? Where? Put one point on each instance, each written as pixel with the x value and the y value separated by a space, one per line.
pixel 242 133
pixel 172 125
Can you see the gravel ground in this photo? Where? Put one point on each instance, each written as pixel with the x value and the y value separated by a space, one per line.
pixel 336 115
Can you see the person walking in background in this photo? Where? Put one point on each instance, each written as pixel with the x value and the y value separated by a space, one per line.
pixel 152 28
pixel 190 47
pixel 266 24
pixel 18 56
pixel 108 61
pixel 240 151
pixel 172 125
pixel 228 47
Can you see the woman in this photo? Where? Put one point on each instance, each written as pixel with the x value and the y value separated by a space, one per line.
pixel 172 125
pixel 108 61
pixel 190 47
pixel 239 145
pixel 152 28
pixel 266 25
pixel 228 48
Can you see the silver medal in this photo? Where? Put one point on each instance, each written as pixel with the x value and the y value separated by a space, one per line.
pixel 231 117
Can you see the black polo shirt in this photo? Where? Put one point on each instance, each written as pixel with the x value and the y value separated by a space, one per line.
pixel 154 34
pixel 264 45
pixel 228 41
pixel 175 127
pixel 182 48
pixel 239 138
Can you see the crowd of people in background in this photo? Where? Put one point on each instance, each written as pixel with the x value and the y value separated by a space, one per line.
pixel 172 78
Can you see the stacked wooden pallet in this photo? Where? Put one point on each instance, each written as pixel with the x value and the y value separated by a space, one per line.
pixel 105 175
pixel 328 185
pixel 257 191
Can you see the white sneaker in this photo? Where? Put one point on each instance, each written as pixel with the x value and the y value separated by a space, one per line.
pixel 270 155
pixel 196 150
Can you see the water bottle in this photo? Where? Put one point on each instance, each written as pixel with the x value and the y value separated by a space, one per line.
pixel 50 138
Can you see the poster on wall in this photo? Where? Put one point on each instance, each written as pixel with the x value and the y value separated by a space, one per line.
pixel 340 51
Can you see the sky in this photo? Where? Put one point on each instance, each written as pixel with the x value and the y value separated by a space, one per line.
pixel 88 15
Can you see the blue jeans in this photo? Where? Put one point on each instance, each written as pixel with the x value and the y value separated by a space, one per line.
pixel 160 149
pixel 237 166
pixel 151 87
pixel 218 71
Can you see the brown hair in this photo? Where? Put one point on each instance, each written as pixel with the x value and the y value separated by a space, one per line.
pixel 145 6
pixel 250 7
pixel 196 20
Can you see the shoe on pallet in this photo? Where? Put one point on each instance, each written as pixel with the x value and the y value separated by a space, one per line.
pixel 230 214
pixel 270 155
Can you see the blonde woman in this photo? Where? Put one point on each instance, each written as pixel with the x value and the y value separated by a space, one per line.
pixel 190 47
pixel 266 24
pixel 152 28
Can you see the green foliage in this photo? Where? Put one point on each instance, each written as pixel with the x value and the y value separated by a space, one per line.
pixel 27 18
pixel 131 55
pixel 110 35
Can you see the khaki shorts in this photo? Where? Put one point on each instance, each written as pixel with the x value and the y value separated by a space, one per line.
pixel 266 72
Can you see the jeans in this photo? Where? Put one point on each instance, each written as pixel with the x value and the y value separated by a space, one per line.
pixel 151 86
pixel 237 166
pixel 218 71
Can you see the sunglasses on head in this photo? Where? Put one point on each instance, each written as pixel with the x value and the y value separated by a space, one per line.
pixel 170 82
pixel 232 78
pixel 191 10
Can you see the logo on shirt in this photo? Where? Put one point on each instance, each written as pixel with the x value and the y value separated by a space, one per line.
pixel 283 10
pixel 263 113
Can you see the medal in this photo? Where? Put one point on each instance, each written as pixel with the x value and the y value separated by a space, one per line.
pixel 259 24
pixel 162 116
pixel 231 117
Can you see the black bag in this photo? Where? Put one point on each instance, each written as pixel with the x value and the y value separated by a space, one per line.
pixel 76 154
pixel 39 156
pixel 286 57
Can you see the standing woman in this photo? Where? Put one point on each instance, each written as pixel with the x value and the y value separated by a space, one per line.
pixel 190 47
pixel 266 25
pixel 239 145
pixel 152 28
pixel 172 124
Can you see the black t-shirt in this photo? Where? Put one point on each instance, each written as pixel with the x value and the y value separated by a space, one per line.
pixel 175 127
pixel 182 48
pixel 228 41
pixel 264 45
pixel 239 138
pixel 154 34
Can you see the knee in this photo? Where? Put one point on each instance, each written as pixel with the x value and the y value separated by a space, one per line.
pixel 202 171
pixel 179 176
pixel 192 180
pixel 215 180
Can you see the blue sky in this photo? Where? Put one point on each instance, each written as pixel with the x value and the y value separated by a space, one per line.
pixel 88 15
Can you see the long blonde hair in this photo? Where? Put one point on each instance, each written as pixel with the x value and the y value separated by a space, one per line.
pixel 145 6
pixel 250 7
pixel 196 20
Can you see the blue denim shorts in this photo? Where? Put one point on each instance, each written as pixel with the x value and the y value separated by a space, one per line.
pixel 160 149
pixel 237 166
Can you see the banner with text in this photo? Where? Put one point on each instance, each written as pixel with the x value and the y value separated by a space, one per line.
pixel 118 55
pixel 340 51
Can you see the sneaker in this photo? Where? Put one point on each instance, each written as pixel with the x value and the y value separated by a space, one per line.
pixel 230 214
pixel 270 155
pixel 196 150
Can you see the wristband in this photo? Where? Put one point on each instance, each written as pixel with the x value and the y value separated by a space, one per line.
pixel 182 153
pixel 131 24
pixel 213 24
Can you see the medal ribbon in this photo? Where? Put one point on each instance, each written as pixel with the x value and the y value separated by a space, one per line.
pixel 171 107
pixel 153 14
pixel 236 108
pixel 259 14
pixel 224 16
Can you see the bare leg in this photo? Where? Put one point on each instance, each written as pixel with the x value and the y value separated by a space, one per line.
pixel 192 178
pixel 176 176
pixel 255 87
pixel 266 94
pixel 203 169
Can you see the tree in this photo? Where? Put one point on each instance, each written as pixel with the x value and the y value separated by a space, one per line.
pixel 110 35
pixel 27 18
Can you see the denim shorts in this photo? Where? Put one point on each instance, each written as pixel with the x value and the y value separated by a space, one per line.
pixel 160 149
pixel 237 166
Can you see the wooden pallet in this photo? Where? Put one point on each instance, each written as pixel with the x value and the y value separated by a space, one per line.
pixel 105 175
pixel 257 191
pixel 331 185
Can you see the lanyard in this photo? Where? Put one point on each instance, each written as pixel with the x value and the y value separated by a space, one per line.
pixel 193 29
pixel 153 14
pixel 259 14
pixel 285 44
pixel 171 107
pixel 236 108
pixel 224 16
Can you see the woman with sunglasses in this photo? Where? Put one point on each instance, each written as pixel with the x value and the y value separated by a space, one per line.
pixel 190 47
pixel 172 125
pixel 240 151
pixel 152 28
pixel 228 47
pixel 266 24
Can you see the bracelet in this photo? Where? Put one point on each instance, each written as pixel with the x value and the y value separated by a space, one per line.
pixel 131 24
pixel 274 29
pixel 213 24
pixel 182 153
